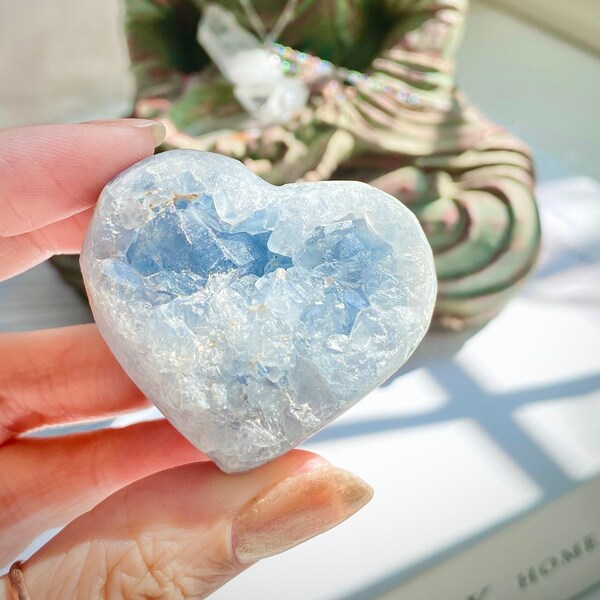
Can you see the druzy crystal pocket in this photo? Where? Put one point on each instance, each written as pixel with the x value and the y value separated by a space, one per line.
pixel 250 314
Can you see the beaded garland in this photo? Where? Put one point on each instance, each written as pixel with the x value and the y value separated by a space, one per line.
pixel 310 67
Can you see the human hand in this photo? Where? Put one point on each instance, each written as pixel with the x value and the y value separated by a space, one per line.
pixel 148 515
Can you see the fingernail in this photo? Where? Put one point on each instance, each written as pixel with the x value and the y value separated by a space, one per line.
pixel 156 128
pixel 295 510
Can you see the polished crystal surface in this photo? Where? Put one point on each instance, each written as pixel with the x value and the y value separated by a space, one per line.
pixel 250 314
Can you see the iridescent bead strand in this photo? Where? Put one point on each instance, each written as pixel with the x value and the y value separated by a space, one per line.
pixel 303 64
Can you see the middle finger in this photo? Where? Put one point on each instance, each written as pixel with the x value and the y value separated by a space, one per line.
pixel 60 376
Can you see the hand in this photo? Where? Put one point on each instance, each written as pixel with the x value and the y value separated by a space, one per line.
pixel 149 515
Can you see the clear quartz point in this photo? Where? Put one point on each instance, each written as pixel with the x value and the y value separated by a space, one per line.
pixel 260 85
pixel 279 105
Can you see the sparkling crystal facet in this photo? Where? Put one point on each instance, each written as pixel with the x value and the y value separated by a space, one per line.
pixel 250 314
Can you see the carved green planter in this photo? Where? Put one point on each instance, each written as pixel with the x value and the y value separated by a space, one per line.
pixel 469 181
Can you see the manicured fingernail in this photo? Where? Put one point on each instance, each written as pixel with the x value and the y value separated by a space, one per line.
pixel 156 128
pixel 295 510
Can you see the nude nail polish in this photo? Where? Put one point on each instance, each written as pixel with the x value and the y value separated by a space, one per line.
pixel 156 128
pixel 295 510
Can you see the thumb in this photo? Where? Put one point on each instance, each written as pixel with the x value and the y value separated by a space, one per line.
pixel 184 532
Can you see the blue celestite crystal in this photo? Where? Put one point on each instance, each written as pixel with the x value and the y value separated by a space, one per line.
pixel 250 314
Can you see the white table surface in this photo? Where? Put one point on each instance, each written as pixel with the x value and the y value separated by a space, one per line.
pixel 477 430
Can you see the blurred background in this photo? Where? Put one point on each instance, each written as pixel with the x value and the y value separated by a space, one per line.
pixel 484 451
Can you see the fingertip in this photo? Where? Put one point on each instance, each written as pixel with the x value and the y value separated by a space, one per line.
pixel 155 128
pixel 52 172
pixel 296 509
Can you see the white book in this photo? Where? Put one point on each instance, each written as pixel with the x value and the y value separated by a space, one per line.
pixel 551 554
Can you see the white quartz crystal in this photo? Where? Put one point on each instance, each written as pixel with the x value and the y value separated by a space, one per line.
pixel 250 314
pixel 260 85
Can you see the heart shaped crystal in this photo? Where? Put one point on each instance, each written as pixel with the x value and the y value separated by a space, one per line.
pixel 250 314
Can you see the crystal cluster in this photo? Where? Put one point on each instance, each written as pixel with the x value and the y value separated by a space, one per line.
pixel 260 84
pixel 250 314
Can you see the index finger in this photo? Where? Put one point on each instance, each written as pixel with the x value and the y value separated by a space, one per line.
pixel 49 173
